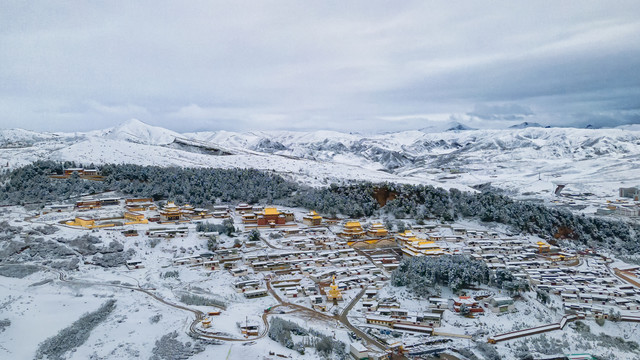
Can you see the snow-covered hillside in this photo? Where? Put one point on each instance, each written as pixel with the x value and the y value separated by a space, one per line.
pixel 527 160
pixel 138 132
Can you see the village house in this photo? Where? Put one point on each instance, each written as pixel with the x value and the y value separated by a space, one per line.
pixel 134 264
pixel 252 294
pixel 246 285
pixel 168 233
pixel 358 351
pixel 221 211
pixel 500 304
pixel 109 201
pixel 71 171
pixel 438 304
pixel 400 319
pixel 468 302
pixel 200 213
pixel 80 171
pixel 224 208
pixel 88 204
pixel 630 192
pixel 212 265
pixel 249 328
pixel 58 208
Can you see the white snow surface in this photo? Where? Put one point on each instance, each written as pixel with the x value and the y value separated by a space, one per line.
pixel 529 161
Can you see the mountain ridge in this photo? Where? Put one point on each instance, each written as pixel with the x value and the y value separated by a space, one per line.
pixel 509 158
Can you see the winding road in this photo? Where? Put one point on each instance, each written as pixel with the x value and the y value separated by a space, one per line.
pixel 342 318
pixel 195 332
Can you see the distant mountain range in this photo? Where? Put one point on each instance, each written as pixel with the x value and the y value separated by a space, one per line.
pixel 514 159
pixel 459 127
pixel 525 125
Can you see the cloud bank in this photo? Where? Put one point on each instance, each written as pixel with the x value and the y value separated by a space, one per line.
pixel 356 66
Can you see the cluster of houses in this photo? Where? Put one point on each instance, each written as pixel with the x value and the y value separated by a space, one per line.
pixel 329 261
pixel 387 312
pixel 591 291
pixel 624 206
pixel 314 262
pixel 354 230
pixel 320 276
pixel 171 212
pixel 375 235
pixel 621 209
pixel 82 205
pixel 401 319
pixel 138 211
pixel 221 259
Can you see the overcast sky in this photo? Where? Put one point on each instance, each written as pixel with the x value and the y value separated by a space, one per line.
pixel 362 66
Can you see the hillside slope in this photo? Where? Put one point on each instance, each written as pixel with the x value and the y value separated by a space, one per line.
pixel 529 160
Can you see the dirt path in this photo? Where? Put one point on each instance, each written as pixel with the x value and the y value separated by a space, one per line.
pixel 342 318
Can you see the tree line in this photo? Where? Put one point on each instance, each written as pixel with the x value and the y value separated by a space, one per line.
pixel 206 186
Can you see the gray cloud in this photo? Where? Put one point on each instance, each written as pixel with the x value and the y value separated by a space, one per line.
pixel 508 112
pixel 362 65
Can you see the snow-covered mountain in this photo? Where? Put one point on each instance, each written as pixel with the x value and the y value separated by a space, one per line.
pixel 20 137
pixel 525 125
pixel 459 127
pixel 523 160
pixel 138 132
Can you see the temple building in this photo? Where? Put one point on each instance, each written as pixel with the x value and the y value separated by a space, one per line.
pixel 243 207
pixel 377 231
pixel 131 218
pixel 271 217
pixel 84 173
pixel 352 230
pixel 543 247
pixel 334 293
pixel 312 219
pixel 82 221
pixel 415 246
pixel 406 237
pixel 249 218
pixel 170 212
pixel 87 223
pixel 140 204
